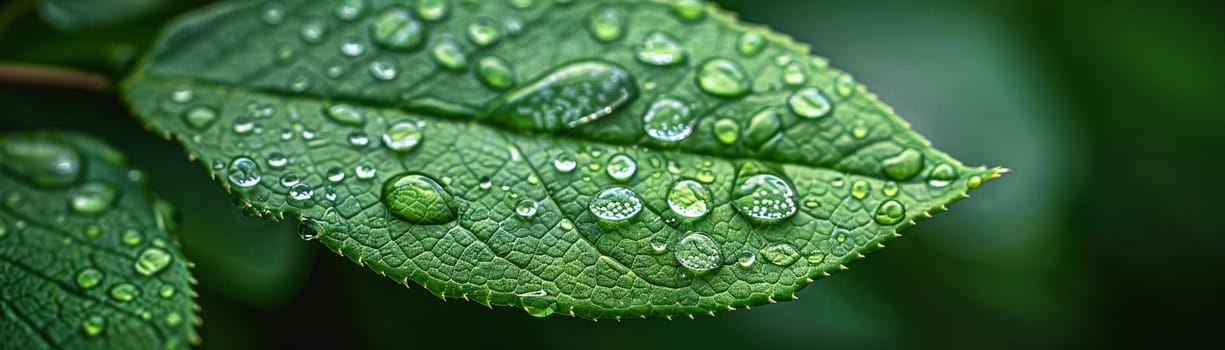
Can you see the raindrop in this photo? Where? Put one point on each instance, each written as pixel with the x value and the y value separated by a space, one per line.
pixel 173 319
pixel 723 78
pixel 904 165
pixel 484 32
pixel 809 103
pixel 272 13
pixel 750 43
pixel 335 175
pixel 402 136
pixel 166 291
pixel 890 212
pixel 432 10
pixel 569 96
pixel 243 172
pixel 199 117
pixel 364 172
pixel 621 167
pixel 764 198
pixel 152 260
pixel 448 54
pixel 418 199
pixel 793 74
pixel 690 10
pixel 289 180
pixel 781 254
pixel 130 237
pixel 359 139
pixel 942 175
pixel 746 258
pixel 124 292
pixel 860 189
pixel 350 10
pixel 689 199
pixel 564 163
pixel 182 94
pixel 526 208
pixel 93 197
pixel 384 69
pixel 301 192
pixel 668 120
pixel 763 127
pixel 89 278
pixel 306 230
pixel 606 24
pixel 352 47
pixel 93 325
pixel 495 73
pixel 312 31
pixel 395 29
pixel 243 125
pixel 40 161
pixel 615 204
pixel 890 189
pixel 697 252
pixel 727 131
pixel 661 49
pixel 845 85
pixel 277 160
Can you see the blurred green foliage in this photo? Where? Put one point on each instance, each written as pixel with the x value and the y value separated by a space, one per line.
pixel 1105 235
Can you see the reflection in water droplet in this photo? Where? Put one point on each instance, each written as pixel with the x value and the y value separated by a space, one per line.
pixel 402 136
pixel 942 175
pixel 621 167
pixel 395 29
pixel 697 252
pixel 93 197
pixel 904 165
pixel 526 208
pixel 495 72
pixel 93 325
pixel 723 78
pixel 335 174
pixel 418 199
pixel 89 278
pixel 243 172
pixel 564 163
pixel 432 10
pixel 358 139
pixel 289 180
pixel 448 54
pixel 689 199
pixel 727 131
pixel 569 96
pixel 890 212
pixel 860 189
pixel 661 49
pixel 764 198
pixel 364 172
pixel 746 258
pixel 152 260
pixel 615 204
pixel 668 120
pixel 484 31
pixel 124 292
pixel 809 103
pixel 277 160
pixel 384 69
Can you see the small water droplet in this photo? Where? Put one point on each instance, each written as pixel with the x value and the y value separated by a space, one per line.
pixel 659 245
pixel 277 160
pixel 845 85
pixel 182 94
pixel 298 82
pixel 352 47
pixel 727 131
pixel 402 136
pixel 301 192
pixel 93 231
pixel 793 74
pixel 621 167
pixel 384 69
pixel 809 103
pixel 484 32
pixel 93 325
pixel 689 199
pixel 200 117
pixel 448 54
pixel 564 163
pixel 243 125
pixel 350 10
pixel 272 13
pixel 781 254
pixel 335 175
pixel 904 165
pixel 606 24
pixel 890 212
pixel 130 237
pixel 485 184
pixel 284 53
pixel 746 258
pixel 569 96
pixel 697 252
pixel 124 292
pixel 690 10
pixel 432 10
pixel 289 180
pixel 418 199
pixel 763 127
pixel 860 189
pixel 974 182
pixel 750 43
pixel 358 139
pixel 243 172
pixel 166 291
pixel 495 72
pixel 89 278
pixel 941 175
pixel 93 197
pixel 661 49
pixel 312 30
pixel 307 231
pixel 764 198
pixel 152 260
pixel 668 120
pixel 890 189
pixel 173 319
pixel 364 172
pixel 615 204
pixel 526 208
pixel 723 78
pixel 395 29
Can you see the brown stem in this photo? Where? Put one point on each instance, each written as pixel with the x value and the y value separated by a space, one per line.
pixel 53 77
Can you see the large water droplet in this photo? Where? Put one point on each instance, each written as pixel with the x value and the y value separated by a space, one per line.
pixel 750 43
pixel 418 199
pixel 621 167
pixel 668 120
pixel 567 97
pixel 781 254
pixel 124 292
pixel 384 69
pixel 89 278
pixel 723 77
pixel 763 127
pixel 697 252
pixel 526 208
pixel 764 198
pixel 243 172
pixel 152 260
pixel 395 29
pixel 689 199
pixel 40 161
pixel 432 10
pixel 615 204
pixel 402 136
pixel 93 197
pixel 484 31
pixel 941 175
pixel 809 103
pixel 606 24
pixel 890 212
pixel 93 325
pixel 661 49
pixel 495 72
pixel 904 165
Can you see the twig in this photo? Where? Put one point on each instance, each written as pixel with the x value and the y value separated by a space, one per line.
pixel 53 77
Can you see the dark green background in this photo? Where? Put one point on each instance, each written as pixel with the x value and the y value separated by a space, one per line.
pixel 1106 235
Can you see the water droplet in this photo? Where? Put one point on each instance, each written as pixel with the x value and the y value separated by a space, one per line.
pixel 974 182
pixel 335 175
pixel 358 139
pixel 564 163
pixel 124 292
pixel 661 49
pixel 289 180
pixel 243 125
pixel 395 29
pixel 689 199
pixel 173 319
pixel 860 189
pixel 448 54
pixel 763 127
pixel 526 208
pixel 284 53
pixel 243 172
pixel 301 192
pixel 746 258
pixel 130 237
pixel 567 97
pixel 93 197
pixel 93 231
pixel 781 254
pixel 277 160
pixel 485 184
pixel 166 291
pixel 723 78
pixel 750 43
pixel 942 175
pixel 199 117
pixel 615 204
pixel 307 231
pixel 495 73
pixel 727 131
pixel 809 103
pixel 89 278
pixel 152 260
pixel 668 120
pixel 364 172
pixel 659 245
pixel 350 10
pixel 432 10
pixel 621 167
pixel 793 74
pixel 764 198
pixel 384 69
pixel 904 165
pixel 815 258
pixel 860 130
pixel 93 325
pixel 298 82
pixel 402 136
pixel 312 30
pixel 697 252
pixel 272 13
pixel 335 69
pixel 484 32
pixel 182 94
pixel 845 85
pixel 890 189
pixel 40 161
pixel 890 212
pixel 418 199
pixel 606 24
pixel 352 47
pixel 690 9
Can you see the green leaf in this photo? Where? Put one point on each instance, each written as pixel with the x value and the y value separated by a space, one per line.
pixel 85 258
pixel 601 159
pixel 71 15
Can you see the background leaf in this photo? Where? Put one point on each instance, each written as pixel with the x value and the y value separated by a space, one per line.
pixel 73 15
pixel 86 260
pixel 718 166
